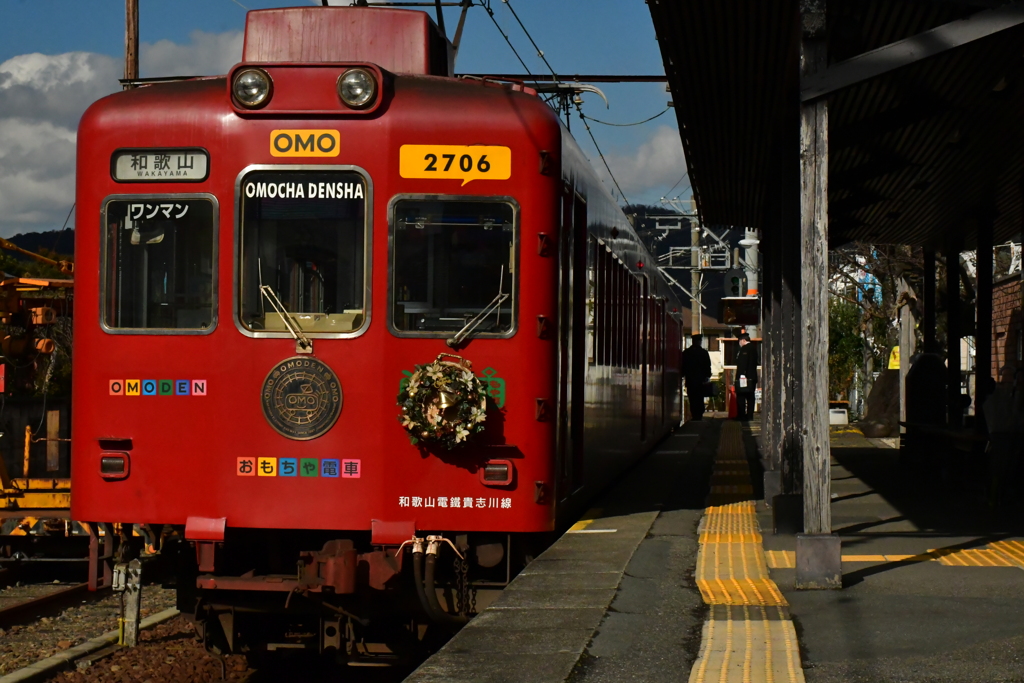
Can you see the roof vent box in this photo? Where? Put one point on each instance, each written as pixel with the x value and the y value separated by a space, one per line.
pixel 400 41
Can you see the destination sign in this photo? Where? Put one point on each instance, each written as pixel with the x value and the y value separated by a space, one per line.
pixel 190 165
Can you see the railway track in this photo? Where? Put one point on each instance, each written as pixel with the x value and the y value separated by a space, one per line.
pixel 38 621
pixel 63 633
pixel 22 604
pixel 168 651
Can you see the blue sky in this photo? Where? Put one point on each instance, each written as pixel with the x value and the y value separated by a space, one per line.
pixel 56 56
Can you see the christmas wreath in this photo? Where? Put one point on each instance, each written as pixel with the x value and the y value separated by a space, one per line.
pixel 443 402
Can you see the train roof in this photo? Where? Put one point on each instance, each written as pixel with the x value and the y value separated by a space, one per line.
pixel 400 41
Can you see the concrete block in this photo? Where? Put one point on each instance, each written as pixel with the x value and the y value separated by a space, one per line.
pixel 819 562
pixel 772 486
pixel 788 513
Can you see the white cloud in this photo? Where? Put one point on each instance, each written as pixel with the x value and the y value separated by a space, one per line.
pixel 656 164
pixel 206 54
pixel 42 98
pixel 55 88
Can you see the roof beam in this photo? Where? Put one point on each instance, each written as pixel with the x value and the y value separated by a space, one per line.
pixel 911 50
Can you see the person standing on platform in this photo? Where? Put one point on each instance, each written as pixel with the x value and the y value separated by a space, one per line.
pixel 696 362
pixel 746 378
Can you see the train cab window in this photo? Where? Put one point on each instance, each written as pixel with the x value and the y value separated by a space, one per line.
pixel 159 264
pixel 303 252
pixel 453 267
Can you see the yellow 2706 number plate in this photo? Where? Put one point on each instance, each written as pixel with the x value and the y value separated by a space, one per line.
pixel 455 162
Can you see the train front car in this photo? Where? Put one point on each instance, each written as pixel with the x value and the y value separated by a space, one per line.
pixel 276 258
pixel 268 258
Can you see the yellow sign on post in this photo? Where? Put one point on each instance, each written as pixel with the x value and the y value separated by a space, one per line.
pixel 894 358
pixel 455 162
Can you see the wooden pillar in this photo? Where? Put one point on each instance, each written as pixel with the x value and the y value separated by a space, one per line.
pixel 983 326
pixel 788 367
pixel 696 317
pixel 954 407
pixel 818 559
pixel 907 341
pixel 780 360
pixel 771 408
pixel 767 334
pixel 930 343
pixel 131 41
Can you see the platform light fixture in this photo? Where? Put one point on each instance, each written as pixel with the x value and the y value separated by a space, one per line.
pixel 357 88
pixel 252 88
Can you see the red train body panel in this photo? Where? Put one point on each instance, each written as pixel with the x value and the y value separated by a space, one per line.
pixel 589 370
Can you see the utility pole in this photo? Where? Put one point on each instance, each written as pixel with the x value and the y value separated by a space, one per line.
pixel 131 42
pixel 749 243
pixel 707 251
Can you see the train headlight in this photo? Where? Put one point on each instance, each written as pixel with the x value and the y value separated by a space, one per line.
pixel 251 88
pixel 357 88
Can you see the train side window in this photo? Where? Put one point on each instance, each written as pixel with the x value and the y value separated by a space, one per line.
pixel 159 264
pixel 453 266
pixel 303 252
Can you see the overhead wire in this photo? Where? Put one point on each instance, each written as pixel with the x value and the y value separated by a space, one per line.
pixel 540 53
pixel 57 238
pixel 676 184
pixel 579 107
pixel 626 125
pixel 490 13
pixel 600 153
pixel 688 186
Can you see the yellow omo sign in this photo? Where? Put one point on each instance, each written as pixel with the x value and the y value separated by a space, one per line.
pixel 305 143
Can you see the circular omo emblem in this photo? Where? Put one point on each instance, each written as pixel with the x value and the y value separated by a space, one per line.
pixel 301 398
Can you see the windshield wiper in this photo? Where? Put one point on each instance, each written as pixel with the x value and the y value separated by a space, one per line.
pixel 302 342
pixel 496 302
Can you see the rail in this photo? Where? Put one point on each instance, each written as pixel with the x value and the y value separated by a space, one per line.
pixel 21 612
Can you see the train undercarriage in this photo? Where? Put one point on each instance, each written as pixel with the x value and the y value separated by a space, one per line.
pixel 350 599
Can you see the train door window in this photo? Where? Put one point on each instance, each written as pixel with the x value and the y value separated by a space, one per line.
pixel 453 267
pixel 159 264
pixel 303 252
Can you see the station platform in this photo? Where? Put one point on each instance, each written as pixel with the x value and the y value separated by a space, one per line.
pixel 675 575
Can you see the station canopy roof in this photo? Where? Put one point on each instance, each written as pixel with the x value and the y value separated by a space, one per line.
pixel 914 152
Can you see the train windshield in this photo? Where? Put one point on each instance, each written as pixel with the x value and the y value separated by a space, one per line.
pixel 453 267
pixel 159 264
pixel 303 252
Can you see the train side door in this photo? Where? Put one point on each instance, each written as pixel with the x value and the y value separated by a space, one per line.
pixel 572 354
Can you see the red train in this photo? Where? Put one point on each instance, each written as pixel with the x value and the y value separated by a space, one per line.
pixel 274 254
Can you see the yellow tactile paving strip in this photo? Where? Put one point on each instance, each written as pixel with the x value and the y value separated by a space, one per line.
pixel 748 636
pixel 1012 550
pixel 980 557
pixel 998 554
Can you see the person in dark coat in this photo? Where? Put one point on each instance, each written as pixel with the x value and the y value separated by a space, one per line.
pixel 746 378
pixel 696 365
